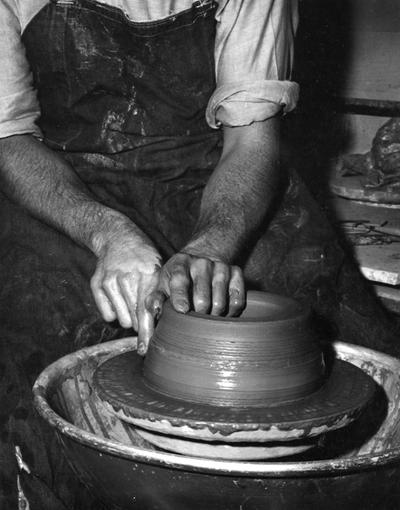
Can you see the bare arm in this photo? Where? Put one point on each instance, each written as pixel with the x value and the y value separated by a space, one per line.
pixel 47 186
pixel 128 284
pixel 240 191
pixel 234 203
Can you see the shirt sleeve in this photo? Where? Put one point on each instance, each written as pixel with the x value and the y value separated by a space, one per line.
pixel 253 57
pixel 19 108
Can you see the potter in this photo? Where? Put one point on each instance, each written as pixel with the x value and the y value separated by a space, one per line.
pixel 140 159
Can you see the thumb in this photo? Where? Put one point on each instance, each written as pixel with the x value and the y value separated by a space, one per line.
pixel 147 317
pixel 154 303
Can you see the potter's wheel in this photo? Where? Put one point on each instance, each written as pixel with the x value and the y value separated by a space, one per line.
pixel 231 433
pixel 276 400
pixel 120 383
pixel 225 451
pixel 362 472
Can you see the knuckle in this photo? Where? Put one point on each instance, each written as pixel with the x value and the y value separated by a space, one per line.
pixel 237 272
pixel 180 260
pixel 182 257
pixel 177 292
pixel 108 282
pixel 221 277
pixel 140 309
pixel 149 268
pixel 97 276
pixel 179 279
pixel 178 270
pixel 124 278
pixel 201 264
pixel 208 264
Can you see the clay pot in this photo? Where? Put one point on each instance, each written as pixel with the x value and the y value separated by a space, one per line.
pixel 268 355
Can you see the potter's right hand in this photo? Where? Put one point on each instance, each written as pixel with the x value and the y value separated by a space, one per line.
pixel 127 272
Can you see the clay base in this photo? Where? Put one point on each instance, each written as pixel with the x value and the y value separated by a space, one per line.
pixel 224 451
pixel 119 383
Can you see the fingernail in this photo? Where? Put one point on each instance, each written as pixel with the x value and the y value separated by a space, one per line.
pixel 141 349
pixel 182 306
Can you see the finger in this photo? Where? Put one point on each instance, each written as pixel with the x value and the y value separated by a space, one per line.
pixel 220 285
pixel 237 292
pixel 179 285
pixel 146 330
pixel 201 273
pixel 146 318
pixel 101 300
pixel 112 290
pixel 154 303
pixel 128 285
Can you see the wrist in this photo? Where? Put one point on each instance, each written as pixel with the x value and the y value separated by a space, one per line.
pixel 111 227
pixel 213 246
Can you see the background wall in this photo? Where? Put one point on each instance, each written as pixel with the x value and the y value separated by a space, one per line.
pixel 373 67
pixel 347 48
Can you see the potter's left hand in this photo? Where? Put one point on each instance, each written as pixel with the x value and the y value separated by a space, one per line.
pixel 200 283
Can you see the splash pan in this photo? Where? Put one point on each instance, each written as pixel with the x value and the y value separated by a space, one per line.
pixel 356 468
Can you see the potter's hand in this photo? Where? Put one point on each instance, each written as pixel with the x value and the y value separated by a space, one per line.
pixel 210 286
pixel 199 283
pixel 127 272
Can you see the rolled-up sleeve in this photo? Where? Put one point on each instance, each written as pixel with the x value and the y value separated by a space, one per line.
pixel 253 57
pixel 19 108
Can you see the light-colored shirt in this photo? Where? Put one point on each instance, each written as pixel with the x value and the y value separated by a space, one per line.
pixel 253 59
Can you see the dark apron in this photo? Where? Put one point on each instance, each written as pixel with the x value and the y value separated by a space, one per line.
pixel 124 102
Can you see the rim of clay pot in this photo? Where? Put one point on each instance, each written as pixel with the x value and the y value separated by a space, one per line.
pixel 175 461
pixel 293 310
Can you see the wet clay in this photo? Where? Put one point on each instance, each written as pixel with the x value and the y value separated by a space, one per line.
pixel 259 377
pixel 268 355
pixel 120 384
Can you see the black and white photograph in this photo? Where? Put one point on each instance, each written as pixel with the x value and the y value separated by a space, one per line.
pixel 199 255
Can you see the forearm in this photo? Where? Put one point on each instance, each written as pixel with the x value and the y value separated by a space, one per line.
pixel 240 192
pixel 48 187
